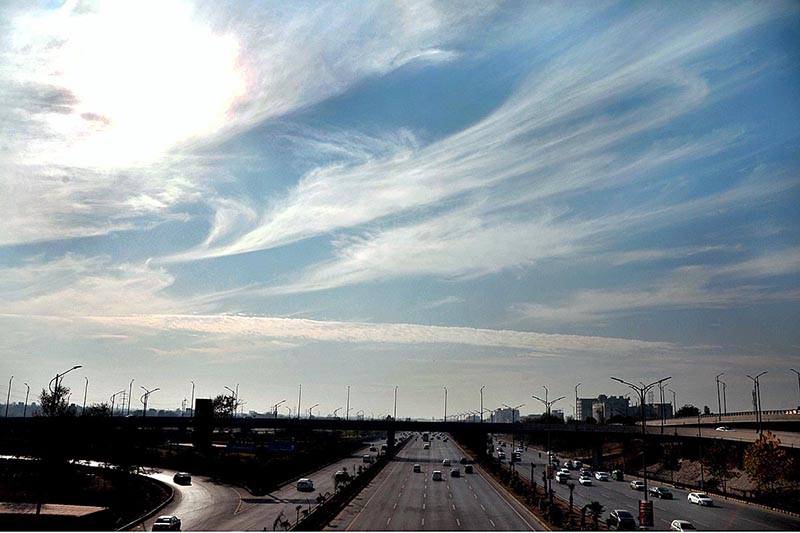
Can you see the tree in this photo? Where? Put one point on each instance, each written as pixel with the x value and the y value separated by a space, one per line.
pixel 596 508
pixel 98 410
pixel 766 463
pixel 225 406
pixel 687 410
pixel 720 459
pixel 54 403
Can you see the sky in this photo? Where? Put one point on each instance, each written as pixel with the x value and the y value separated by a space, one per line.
pixel 405 196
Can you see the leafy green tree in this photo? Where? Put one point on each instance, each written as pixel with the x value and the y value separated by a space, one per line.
pixel 766 463
pixel 687 410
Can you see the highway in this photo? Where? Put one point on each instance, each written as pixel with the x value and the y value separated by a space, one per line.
pixel 400 499
pixel 208 505
pixel 723 516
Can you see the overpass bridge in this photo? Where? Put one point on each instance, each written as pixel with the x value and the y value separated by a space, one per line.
pixel 775 419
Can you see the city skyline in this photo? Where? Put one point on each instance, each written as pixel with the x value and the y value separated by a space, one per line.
pixel 400 197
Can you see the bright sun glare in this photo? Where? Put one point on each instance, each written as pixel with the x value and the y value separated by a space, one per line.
pixel 146 76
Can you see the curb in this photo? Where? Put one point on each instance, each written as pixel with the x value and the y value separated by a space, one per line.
pixel 152 511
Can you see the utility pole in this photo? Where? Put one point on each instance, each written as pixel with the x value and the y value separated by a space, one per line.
pixel 130 395
pixel 719 402
pixel 445 404
pixel 347 412
pixel 25 409
pixel 395 402
pixel 85 390
pixel 484 386
pixel 8 396
pixel 299 397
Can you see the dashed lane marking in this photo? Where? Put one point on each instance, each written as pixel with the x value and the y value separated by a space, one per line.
pixel 492 522
pixel 458 522
pixel 423 506
pixel 389 520
pixel 482 507
pixel 423 522
pixel 394 506
pixel 453 506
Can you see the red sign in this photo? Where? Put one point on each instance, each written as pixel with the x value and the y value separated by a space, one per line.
pixel 645 513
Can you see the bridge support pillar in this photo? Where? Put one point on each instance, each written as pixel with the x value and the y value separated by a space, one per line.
pixel 597 455
pixel 390 442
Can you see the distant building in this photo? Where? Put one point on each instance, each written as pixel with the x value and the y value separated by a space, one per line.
pixel 505 415
pixel 558 413
pixel 606 407
pixel 585 408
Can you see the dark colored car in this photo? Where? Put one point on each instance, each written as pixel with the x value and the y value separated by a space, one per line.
pixel 620 519
pixel 463 460
pixel 468 469
pixel 660 492
pixel 182 478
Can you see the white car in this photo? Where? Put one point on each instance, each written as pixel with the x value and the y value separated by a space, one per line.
pixel 637 485
pixel 167 523
pixel 305 484
pixel 446 462
pixel 585 481
pixel 601 476
pixel 724 428
pixel 681 525
pixel 700 498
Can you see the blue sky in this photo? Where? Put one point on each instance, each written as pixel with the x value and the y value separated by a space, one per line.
pixel 420 195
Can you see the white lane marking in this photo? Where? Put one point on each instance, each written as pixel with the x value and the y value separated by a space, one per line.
pixel 423 506
pixel 476 496
pixel 424 495
pixel 450 495
pixel 458 522
pixel 394 506
pixel 423 522
pixel 389 520
pixel 482 507
pixel 492 522
pixel 453 506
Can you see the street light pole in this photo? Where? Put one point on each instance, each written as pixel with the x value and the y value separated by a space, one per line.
pixel 85 390
pixel 719 400
pixel 445 403
pixel 275 408
pixel 395 402
pixel 674 403
pixel 25 409
pixel 299 397
pixel 482 387
pixel 309 410
pixel 547 403
pixel 642 391
pixel 130 395
pixel 8 396
pixel 145 398
pixel 757 389
pixel 347 412
pixel 191 402
pixel 113 399
pixel 798 384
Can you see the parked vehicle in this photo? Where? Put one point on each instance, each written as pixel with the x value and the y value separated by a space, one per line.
pixel 621 519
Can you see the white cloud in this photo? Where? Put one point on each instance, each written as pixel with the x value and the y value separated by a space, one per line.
pixel 294 329
pixel 689 287
pixel 551 134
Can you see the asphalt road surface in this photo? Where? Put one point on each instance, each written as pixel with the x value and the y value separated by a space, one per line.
pixel 723 516
pixel 208 505
pixel 400 499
